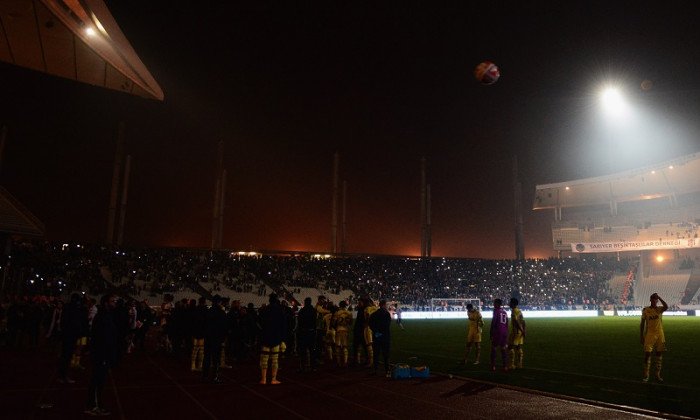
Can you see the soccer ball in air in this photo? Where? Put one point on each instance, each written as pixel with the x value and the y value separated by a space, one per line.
pixel 486 73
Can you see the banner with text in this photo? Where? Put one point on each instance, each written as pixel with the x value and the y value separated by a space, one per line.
pixel 589 247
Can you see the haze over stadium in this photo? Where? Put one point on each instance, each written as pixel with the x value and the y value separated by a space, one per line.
pixel 285 87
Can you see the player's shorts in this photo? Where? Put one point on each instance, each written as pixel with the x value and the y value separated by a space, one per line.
pixel 499 340
pixel 330 337
pixel 81 341
pixel 367 335
pixel 654 342
pixel 341 338
pixel 515 339
pixel 474 335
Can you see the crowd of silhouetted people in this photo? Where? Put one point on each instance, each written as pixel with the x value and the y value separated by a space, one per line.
pixel 52 270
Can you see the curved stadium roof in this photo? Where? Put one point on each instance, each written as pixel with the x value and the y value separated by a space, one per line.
pixel 667 179
pixel 73 39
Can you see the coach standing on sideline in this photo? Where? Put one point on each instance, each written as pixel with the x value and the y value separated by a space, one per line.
pixel 74 323
pixel 104 353
pixel 380 324
pixel 215 328
pixel 306 329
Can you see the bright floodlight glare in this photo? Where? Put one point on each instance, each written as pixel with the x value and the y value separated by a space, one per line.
pixel 613 102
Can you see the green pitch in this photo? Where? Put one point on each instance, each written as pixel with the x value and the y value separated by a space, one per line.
pixel 593 358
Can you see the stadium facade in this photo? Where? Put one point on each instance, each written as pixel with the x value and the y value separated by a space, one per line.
pixel 650 213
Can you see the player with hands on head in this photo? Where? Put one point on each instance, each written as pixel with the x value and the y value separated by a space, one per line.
pixel 651 335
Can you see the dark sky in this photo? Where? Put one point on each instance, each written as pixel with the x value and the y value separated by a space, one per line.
pixel 285 86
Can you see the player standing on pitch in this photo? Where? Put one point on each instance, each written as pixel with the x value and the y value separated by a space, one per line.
pixel 476 324
pixel 499 334
pixel 517 335
pixel 652 337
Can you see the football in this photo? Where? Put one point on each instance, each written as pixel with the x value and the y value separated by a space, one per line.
pixel 486 73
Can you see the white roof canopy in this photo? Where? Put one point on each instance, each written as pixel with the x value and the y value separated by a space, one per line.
pixel 672 178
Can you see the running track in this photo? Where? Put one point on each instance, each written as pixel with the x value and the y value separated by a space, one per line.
pixel 148 386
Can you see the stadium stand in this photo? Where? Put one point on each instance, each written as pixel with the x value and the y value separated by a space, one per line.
pixel 654 203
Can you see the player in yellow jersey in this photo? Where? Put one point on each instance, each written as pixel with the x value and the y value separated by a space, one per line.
pixel 370 308
pixel 321 328
pixel 342 319
pixel 651 334
pixel 517 336
pixel 329 338
pixel 476 325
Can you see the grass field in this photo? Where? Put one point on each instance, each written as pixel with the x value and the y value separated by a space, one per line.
pixel 592 358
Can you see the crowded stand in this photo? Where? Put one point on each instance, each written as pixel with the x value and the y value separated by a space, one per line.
pixel 161 286
pixel 56 270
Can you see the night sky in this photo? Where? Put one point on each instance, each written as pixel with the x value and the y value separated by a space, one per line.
pixel 285 86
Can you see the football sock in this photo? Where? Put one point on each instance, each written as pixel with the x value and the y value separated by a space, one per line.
pixel 511 358
pixel 274 360
pixel 222 362
pixel 197 352
pixel 264 357
pixel 520 358
pixel 647 364
pixel 659 362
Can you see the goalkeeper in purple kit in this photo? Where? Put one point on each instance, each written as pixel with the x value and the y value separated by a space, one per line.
pixel 499 334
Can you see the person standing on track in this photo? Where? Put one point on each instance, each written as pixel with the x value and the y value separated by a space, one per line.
pixel 370 308
pixel 358 329
pixel 380 325
pixel 104 353
pixel 216 327
pixel 321 312
pixel 272 337
pixel 341 321
pixel 306 330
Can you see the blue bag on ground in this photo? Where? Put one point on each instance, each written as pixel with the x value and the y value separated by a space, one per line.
pixel 401 371
pixel 420 372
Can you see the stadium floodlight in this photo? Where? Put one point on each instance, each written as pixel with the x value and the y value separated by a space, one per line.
pixel 613 103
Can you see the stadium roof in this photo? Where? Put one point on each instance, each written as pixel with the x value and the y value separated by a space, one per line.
pixel 16 219
pixel 73 39
pixel 666 179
